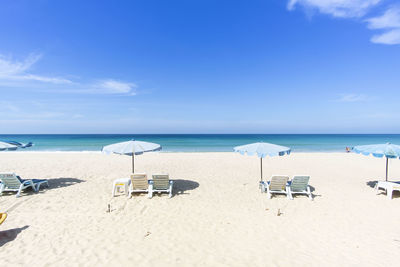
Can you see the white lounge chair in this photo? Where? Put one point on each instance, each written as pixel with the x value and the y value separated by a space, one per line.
pixel 277 185
pixel 161 184
pixel 140 184
pixel 299 185
pixel 12 182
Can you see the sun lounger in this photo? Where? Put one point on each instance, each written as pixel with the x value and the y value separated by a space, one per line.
pixel 388 186
pixel 12 182
pixel 140 184
pixel 299 185
pixel 161 184
pixel 277 185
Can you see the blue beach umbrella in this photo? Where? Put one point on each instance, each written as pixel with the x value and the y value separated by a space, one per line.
pixel 18 144
pixel 262 150
pixel 7 146
pixel 387 150
pixel 131 148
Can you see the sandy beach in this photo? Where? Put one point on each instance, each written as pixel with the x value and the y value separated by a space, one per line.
pixel 217 216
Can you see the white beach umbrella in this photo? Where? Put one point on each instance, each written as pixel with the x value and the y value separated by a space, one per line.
pixel 262 150
pixel 7 146
pixel 131 148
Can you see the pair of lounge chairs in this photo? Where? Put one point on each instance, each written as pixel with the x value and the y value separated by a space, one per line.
pixel 159 184
pixel 12 182
pixel 280 184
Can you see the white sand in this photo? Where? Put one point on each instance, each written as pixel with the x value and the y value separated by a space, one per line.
pixel 217 216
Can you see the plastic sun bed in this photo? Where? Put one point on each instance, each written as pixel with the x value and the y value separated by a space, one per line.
pixel 140 184
pixel 277 185
pixel 12 182
pixel 161 184
pixel 299 185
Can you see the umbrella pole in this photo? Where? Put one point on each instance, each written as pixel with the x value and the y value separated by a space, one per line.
pixel 261 171
pixel 387 162
pixel 133 162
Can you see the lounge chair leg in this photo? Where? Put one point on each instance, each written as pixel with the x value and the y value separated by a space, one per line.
pixel 150 193
pixel 126 189
pixel 263 189
pixel 171 185
pixel 289 193
pixel 389 194
pixel 309 193
pixel 19 191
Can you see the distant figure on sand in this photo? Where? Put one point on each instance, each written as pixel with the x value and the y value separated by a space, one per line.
pixel 348 149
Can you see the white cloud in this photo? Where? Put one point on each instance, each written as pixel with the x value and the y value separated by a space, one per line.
pixel 115 87
pixel 352 98
pixel 390 19
pixel 14 73
pixel 390 22
pixel 390 38
pixel 19 70
pixel 337 8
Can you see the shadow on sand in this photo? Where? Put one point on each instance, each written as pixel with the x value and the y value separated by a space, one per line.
pixel 9 235
pixel 63 182
pixel 372 183
pixel 181 186
pixel 312 189
pixel 53 183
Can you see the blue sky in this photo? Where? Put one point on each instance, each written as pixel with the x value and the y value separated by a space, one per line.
pixel 210 66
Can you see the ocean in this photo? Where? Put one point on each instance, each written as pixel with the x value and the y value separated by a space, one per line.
pixel 201 142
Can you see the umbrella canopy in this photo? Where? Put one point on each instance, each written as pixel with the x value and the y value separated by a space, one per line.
pixel 262 150
pixel 387 150
pixel 18 144
pixel 131 148
pixel 7 146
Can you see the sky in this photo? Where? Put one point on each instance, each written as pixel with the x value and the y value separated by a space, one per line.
pixel 191 66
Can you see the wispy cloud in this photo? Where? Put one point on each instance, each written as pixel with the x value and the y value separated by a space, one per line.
pixel 116 87
pixel 337 8
pixel 19 74
pixel 389 21
pixel 11 69
pixel 353 98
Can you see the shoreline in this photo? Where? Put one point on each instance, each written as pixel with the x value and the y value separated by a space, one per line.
pixel 161 152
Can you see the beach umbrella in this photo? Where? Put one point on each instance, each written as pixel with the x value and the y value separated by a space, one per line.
pixel 262 150
pixel 387 150
pixel 131 148
pixel 7 146
pixel 18 144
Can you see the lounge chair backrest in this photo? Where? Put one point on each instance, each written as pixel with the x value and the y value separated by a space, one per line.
pixel 299 183
pixel 161 181
pixel 10 180
pixel 278 183
pixel 139 181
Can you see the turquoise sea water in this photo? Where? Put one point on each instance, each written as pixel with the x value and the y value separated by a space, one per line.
pixel 202 142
